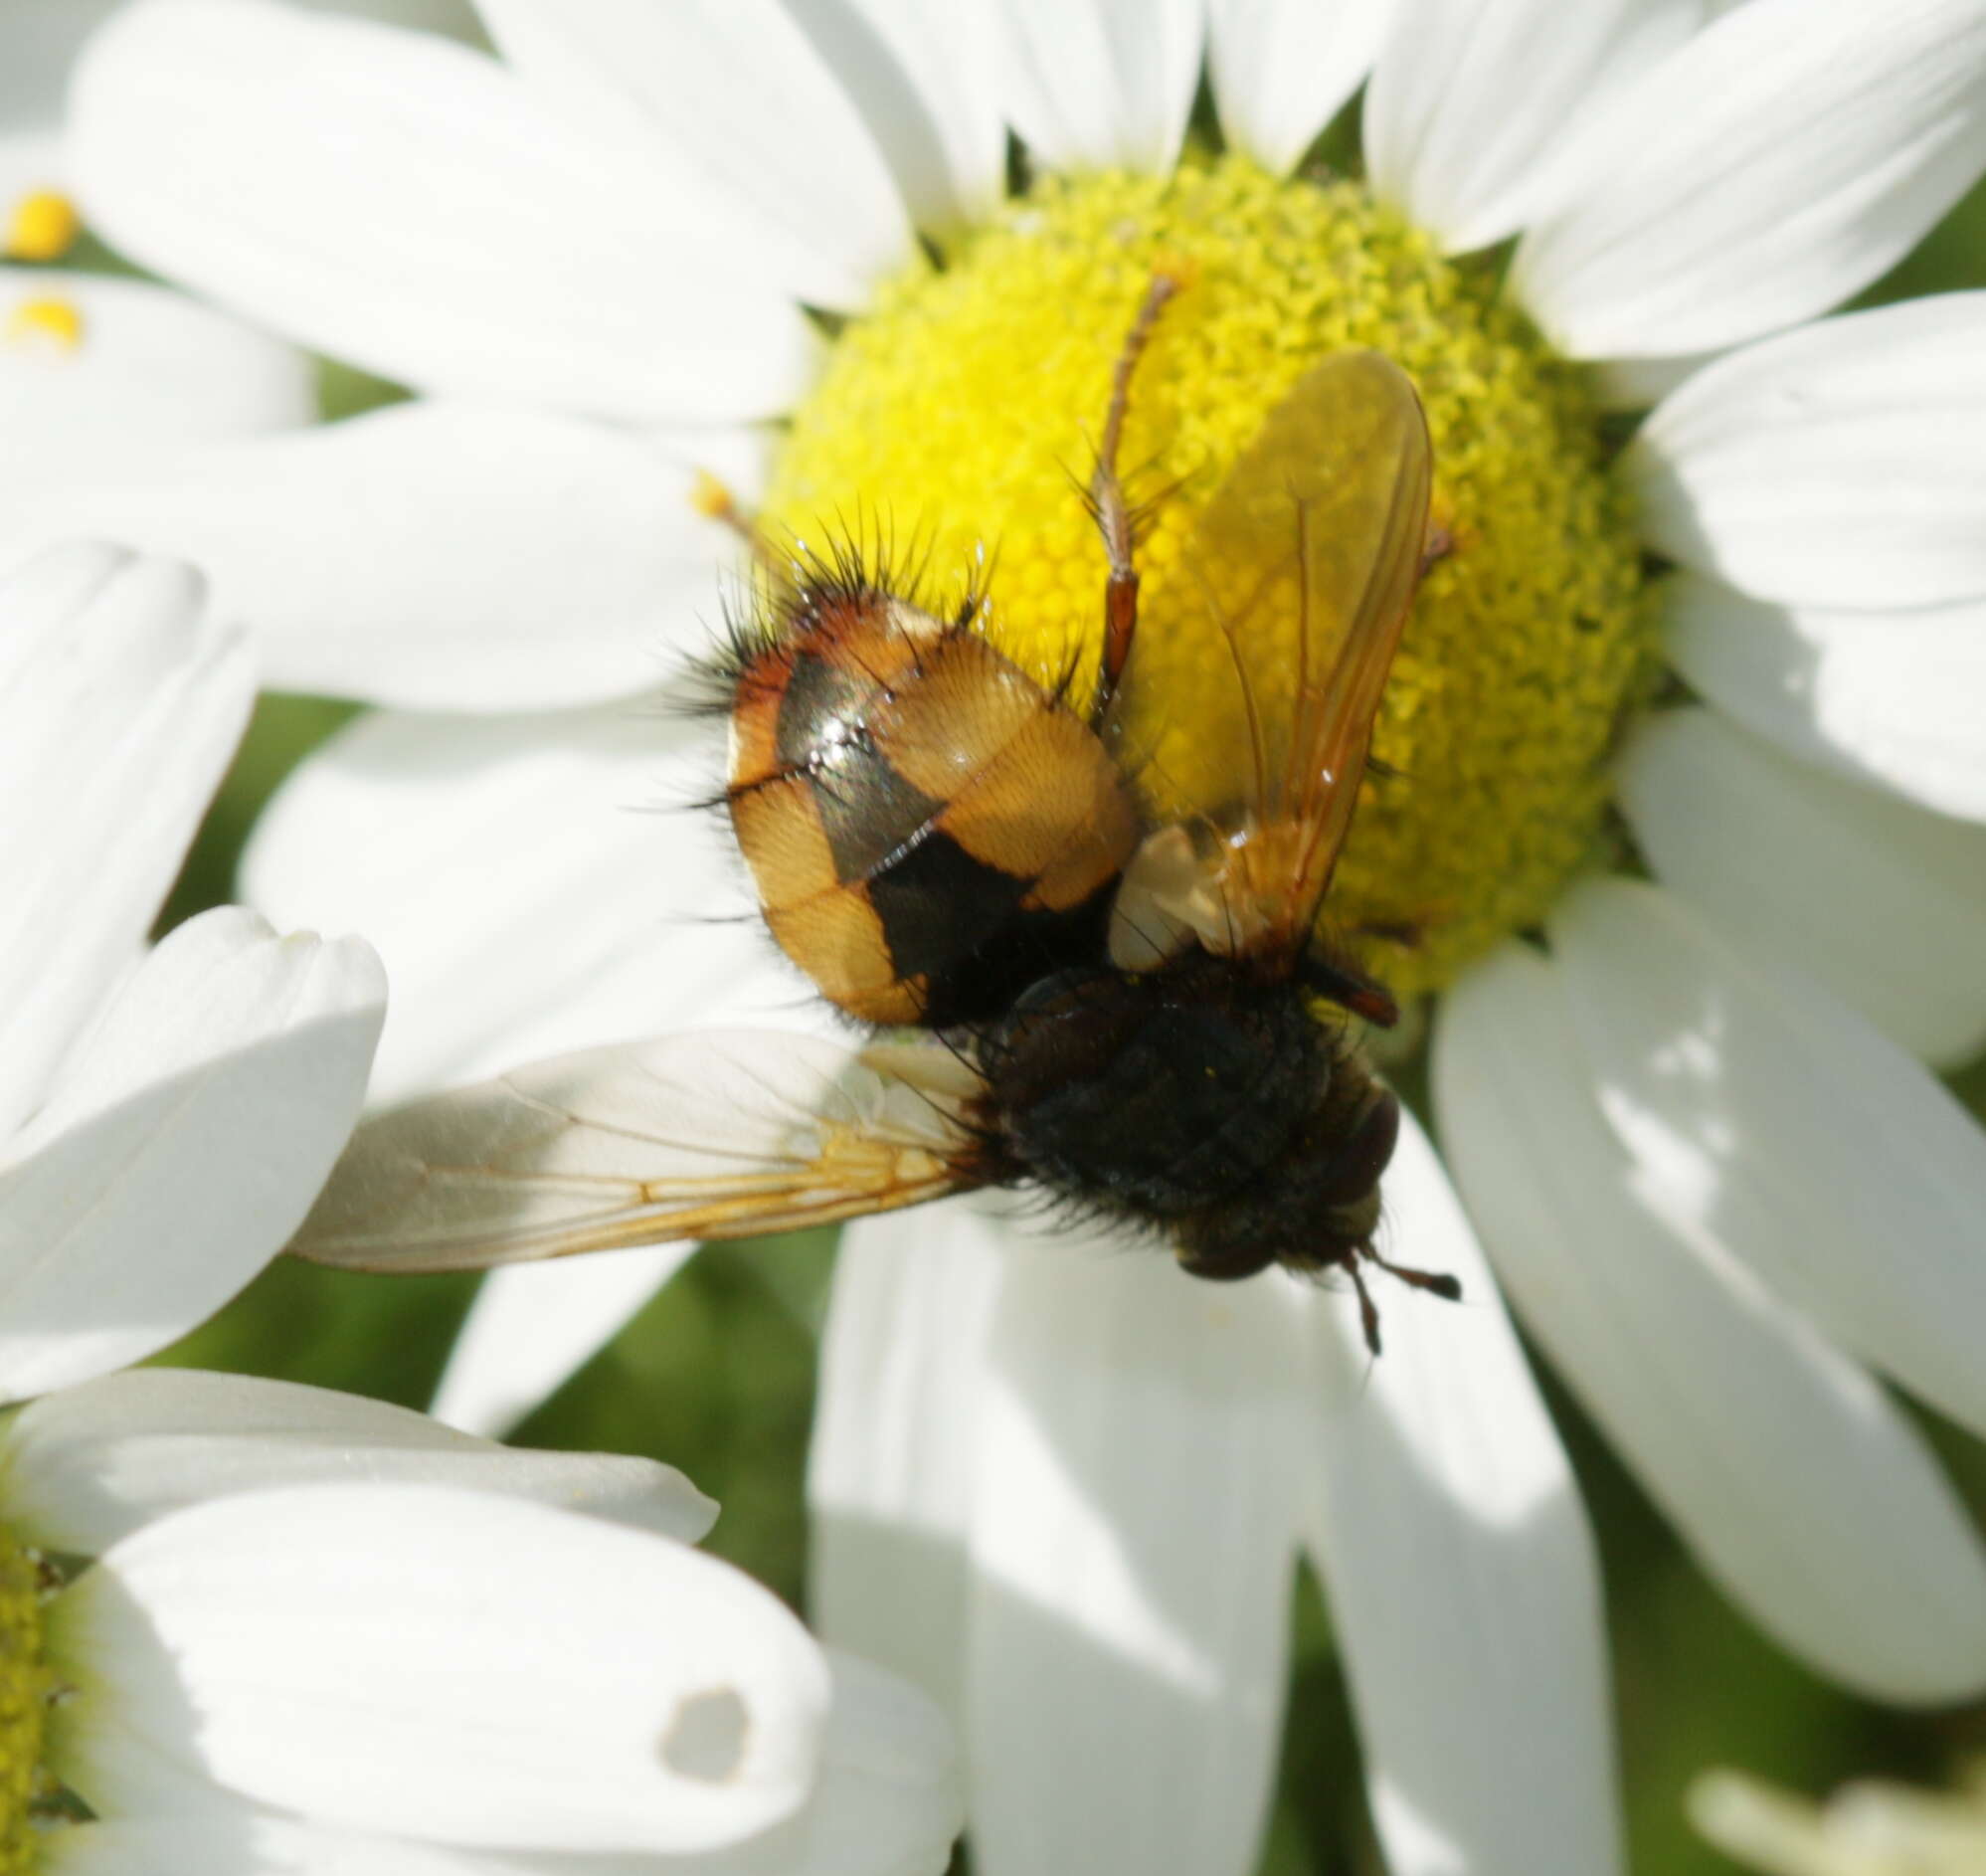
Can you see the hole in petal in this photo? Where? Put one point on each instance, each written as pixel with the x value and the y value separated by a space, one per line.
pixel 706 1739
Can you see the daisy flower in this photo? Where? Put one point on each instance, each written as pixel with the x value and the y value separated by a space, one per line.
pixel 1687 1115
pixel 204 1577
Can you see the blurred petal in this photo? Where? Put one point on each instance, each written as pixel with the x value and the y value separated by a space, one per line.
pixel 528 1678
pixel 454 17
pixel 926 81
pixel 1133 1504
pixel 533 1326
pixel 1282 68
pixel 432 555
pixel 807 180
pixel 89 1464
pixel 44 37
pixel 1893 699
pixel 627 921
pixel 120 704
pixel 181 1145
pixel 1444 1493
pixel 889 1479
pixel 1857 881
pixel 1783 159
pixel 1474 104
pixel 238 1841
pixel 1841 465
pixel 1765 1116
pixel 417 209
pixel 1801 1489
pixel 149 371
pixel 1101 83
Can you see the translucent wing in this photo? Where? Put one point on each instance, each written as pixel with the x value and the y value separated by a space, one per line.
pixel 719 1134
pixel 1248 709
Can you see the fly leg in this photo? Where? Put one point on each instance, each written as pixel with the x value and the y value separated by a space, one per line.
pixel 1113 514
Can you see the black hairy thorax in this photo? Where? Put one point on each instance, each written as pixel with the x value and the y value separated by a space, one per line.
pixel 1193 1098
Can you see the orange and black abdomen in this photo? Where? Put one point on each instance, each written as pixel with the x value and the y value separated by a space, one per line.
pixel 928 827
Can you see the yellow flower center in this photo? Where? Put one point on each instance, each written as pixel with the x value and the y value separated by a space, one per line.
pixel 24 1689
pixel 958 420
pixel 42 225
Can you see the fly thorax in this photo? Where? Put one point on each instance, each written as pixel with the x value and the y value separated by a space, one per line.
pixel 1154 1093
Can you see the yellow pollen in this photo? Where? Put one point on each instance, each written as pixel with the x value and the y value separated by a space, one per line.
pixel 25 1684
pixel 44 226
pixel 46 322
pixel 958 419
pixel 712 498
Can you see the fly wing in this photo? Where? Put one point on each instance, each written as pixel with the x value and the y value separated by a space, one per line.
pixel 718 1134
pixel 1250 716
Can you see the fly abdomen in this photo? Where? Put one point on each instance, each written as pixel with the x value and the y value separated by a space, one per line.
pixel 928 827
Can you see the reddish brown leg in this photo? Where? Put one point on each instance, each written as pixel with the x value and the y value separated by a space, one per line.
pixel 1112 515
pixel 1436 1282
pixel 1442 1284
pixel 1368 1311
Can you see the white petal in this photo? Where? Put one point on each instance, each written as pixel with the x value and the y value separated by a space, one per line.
pixel 89 1464
pixel 408 827
pixel 1281 68
pixel 44 37
pixel 1134 1514
pixel 1767 1116
pixel 240 1841
pixel 1475 103
pixel 533 1326
pixel 1841 465
pixel 120 704
pixel 729 103
pixel 1882 903
pixel 889 1479
pixel 1893 699
pixel 1464 1586
pixel 1801 1489
pixel 1781 160
pixel 889 1800
pixel 1635 384
pixel 1101 83
pixel 181 1145
pixel 527 1677
pixel 431 555
pixel 926 82
pixel 415 207
pixel 151 371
